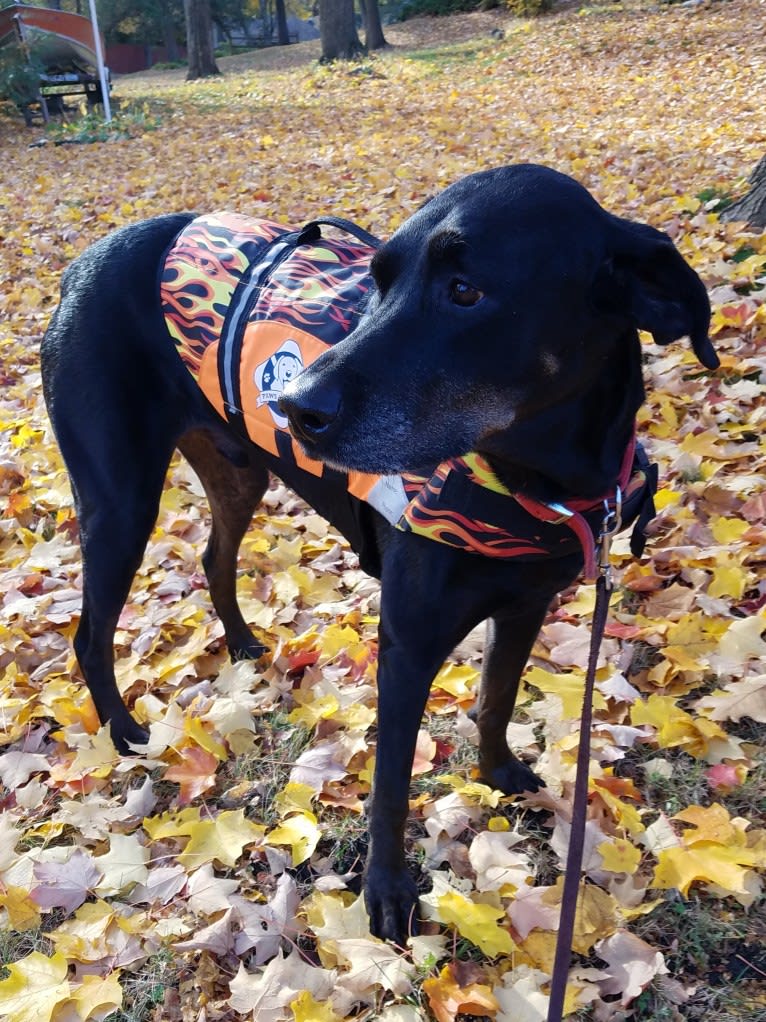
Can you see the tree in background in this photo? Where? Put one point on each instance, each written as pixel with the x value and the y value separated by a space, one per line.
pixel 283 36
pixel 199 40
pixel 373 28
pixel 337 29
pixel 751 207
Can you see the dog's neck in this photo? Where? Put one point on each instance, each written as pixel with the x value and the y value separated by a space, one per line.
pixel 574 450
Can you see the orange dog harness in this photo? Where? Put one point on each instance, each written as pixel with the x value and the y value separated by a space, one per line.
pixel 250 303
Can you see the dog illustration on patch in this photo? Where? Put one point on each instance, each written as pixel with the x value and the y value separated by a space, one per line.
pixel 272 376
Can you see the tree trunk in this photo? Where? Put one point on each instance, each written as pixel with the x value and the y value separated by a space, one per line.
pixel 373 29
pixel 337 30
pixel 283 35
pixel 751 208
pixel 199 40
pixel 169 37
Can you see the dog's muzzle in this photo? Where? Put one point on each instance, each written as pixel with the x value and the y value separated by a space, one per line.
pixel 311 412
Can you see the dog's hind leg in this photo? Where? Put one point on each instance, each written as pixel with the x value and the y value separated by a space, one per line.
pixel 116 499
pixel 510 638
pixel 233 493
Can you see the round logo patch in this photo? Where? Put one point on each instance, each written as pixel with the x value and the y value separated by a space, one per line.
pixel 272 376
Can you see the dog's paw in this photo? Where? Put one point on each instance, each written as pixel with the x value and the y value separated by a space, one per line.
pixel 126 733
pixel 512 777
pixel 391 899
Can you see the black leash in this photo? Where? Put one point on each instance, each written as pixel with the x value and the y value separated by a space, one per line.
pixel 604 586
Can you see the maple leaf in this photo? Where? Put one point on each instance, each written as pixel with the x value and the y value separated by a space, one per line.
pixel 476 922
pixel 195 773
pixel 306 1009
pixel 300 832
pixel 66 884
pixel 218 937
pixel 95 997
pixel 632 965
pixel 367 963
pixel 23 913
pixel 161 885
pixel 743 698
pixel 123 865
pixel 221 839
pixel 267 994
pixel 495 864
pixel 446 997
pixel 34 988
pixel 520 998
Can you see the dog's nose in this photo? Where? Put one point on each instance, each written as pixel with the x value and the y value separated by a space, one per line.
pixel 310 413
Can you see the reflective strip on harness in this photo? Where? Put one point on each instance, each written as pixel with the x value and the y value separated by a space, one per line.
pixel 250 303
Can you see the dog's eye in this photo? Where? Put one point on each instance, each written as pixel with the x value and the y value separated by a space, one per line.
pixel 465 294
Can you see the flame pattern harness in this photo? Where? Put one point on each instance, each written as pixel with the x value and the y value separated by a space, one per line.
pixel 250 303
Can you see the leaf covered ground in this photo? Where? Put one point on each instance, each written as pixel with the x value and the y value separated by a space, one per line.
pixel 217 877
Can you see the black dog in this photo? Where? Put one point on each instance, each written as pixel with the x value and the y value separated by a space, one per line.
pixel 502 320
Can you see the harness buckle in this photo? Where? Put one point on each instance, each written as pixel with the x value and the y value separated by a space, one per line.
pixel 610 526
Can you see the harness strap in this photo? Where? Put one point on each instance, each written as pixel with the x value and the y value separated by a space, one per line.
pixel 312 232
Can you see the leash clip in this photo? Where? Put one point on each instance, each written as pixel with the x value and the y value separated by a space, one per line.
pixel 610 526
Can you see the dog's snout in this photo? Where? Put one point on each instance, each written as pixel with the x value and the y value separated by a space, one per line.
pixel 310 413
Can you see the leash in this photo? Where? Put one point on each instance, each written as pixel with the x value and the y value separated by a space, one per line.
pixel 604 585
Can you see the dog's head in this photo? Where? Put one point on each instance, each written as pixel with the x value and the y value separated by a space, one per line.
pixel 504 320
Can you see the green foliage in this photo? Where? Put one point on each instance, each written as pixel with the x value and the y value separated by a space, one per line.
pixel 522 8
pixel 715 198
pixel 127 122
pixel 418 8
pixel 19 76
pixel 529 8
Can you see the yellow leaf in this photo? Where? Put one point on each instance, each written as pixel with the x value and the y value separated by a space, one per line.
pixel 477 923
pixel 98 995
pixel 597 913
pixel 294 796
pixel 619 856
pixel 729 579
pixel 195 729
pixel 710 824
pixel 666 498
pixel 221 839
pixel 339 639
pixel 310 711
pixel 714 864
pixel 457 679
pixel 23 913
pixel 306 1009
pixel 301 832
pixel 35 986
pixel 675 727
pixel 568 687
pixel 123 866
pixel 728 530
pixel 84 936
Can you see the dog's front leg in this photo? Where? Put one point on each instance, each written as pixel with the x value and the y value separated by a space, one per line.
pixel 389 890
pixel 510 637
pixel 425 612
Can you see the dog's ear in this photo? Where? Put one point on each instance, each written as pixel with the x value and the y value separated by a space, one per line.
pixel 647 280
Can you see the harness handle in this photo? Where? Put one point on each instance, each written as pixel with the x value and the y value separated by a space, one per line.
pixel 312 231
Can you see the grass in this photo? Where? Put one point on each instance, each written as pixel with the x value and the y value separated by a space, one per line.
pixel 155 984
